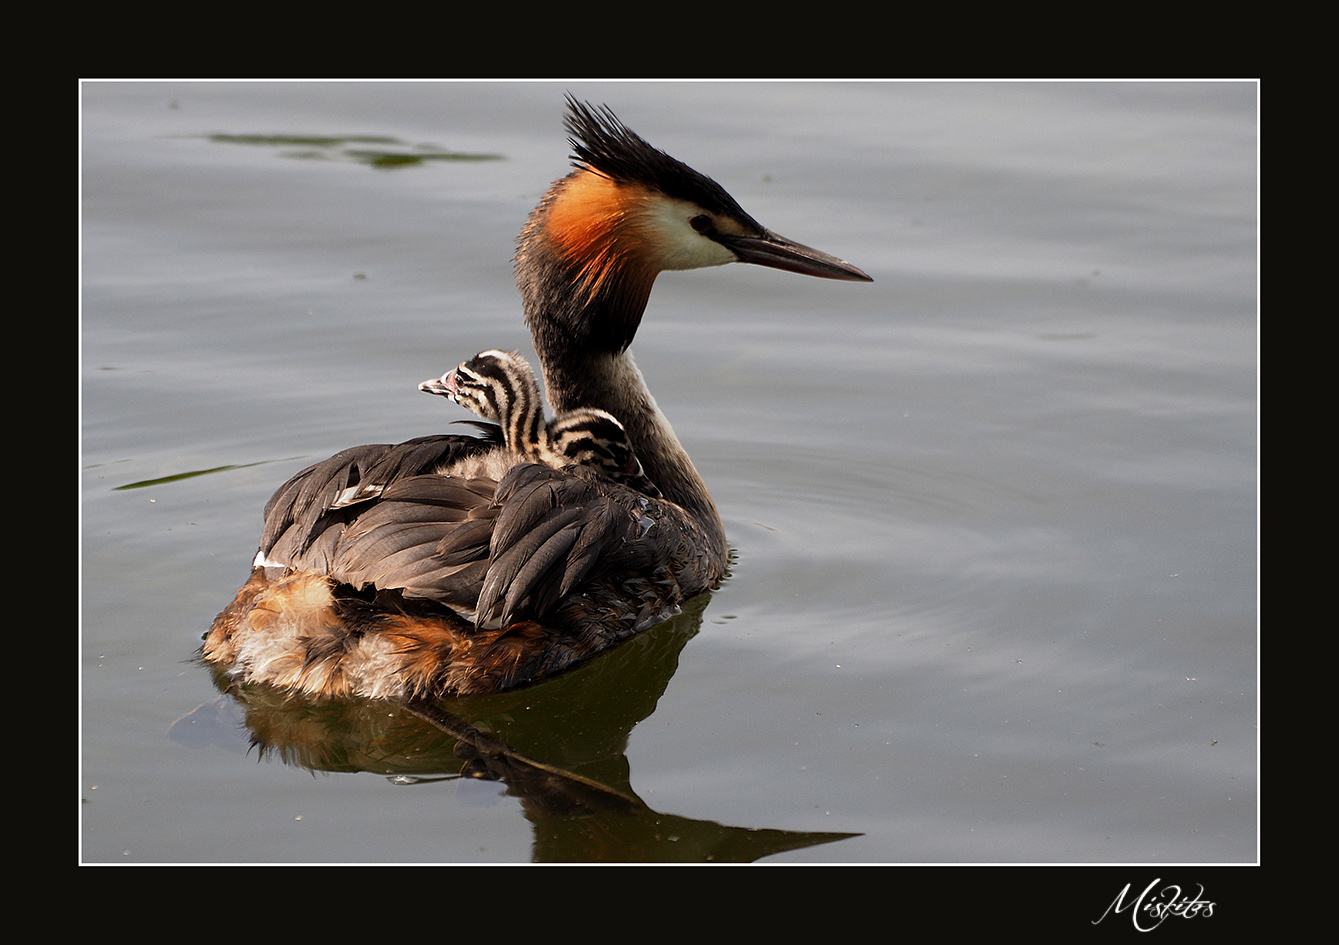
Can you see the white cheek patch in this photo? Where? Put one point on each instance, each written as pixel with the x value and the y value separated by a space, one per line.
pixel 675 243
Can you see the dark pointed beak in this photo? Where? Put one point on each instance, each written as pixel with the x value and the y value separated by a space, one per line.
pixel 444 386
pixel 777 252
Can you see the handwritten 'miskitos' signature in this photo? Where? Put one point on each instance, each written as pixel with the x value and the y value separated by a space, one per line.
pixel 1152 908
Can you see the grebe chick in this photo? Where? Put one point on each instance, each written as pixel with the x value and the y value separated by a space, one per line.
pixel 448 564
pixel 500 387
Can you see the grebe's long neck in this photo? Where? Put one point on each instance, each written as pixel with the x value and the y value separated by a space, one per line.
pixel 614 383
pixel 583 300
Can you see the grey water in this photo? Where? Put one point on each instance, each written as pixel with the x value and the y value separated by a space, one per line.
pixel 994 517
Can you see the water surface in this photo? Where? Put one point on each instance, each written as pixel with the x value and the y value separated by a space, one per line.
pixel 994 516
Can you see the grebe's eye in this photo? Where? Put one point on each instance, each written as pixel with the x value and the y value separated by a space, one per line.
pixel 701 223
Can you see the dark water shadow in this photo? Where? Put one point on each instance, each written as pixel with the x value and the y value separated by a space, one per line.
pixel 560 748
pixel 375 151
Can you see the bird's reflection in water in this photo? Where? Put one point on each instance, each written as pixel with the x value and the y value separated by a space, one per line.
pixel 560 749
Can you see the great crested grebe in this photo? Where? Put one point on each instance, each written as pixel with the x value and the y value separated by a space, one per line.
pixel 452 565
pixel 500 386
